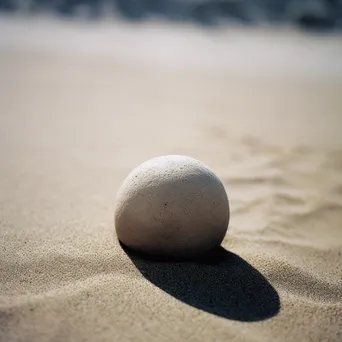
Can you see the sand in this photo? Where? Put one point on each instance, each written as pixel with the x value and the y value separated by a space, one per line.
pixel 82 104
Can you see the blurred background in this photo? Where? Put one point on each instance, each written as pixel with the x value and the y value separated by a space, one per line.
pixel 314 14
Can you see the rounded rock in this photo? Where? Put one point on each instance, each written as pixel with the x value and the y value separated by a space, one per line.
pixel 172 206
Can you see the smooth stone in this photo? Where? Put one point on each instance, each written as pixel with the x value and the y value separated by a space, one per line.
pixel 172 206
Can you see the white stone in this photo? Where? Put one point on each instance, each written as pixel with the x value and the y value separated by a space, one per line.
pixel 172 206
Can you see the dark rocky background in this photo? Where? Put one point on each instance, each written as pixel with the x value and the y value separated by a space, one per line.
pixel 308 14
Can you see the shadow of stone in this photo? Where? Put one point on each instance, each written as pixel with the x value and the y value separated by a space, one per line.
pixel 222 284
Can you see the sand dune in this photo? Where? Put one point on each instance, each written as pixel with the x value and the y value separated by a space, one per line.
pixel 78 113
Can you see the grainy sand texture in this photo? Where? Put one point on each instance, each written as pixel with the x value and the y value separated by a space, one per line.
pixel 82 104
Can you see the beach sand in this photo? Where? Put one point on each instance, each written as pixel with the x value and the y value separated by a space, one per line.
pixel 82 104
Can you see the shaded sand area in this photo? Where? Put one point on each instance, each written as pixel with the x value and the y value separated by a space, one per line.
pixel 82 104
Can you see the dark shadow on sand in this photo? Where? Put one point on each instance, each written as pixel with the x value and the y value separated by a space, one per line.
pixel 222 284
